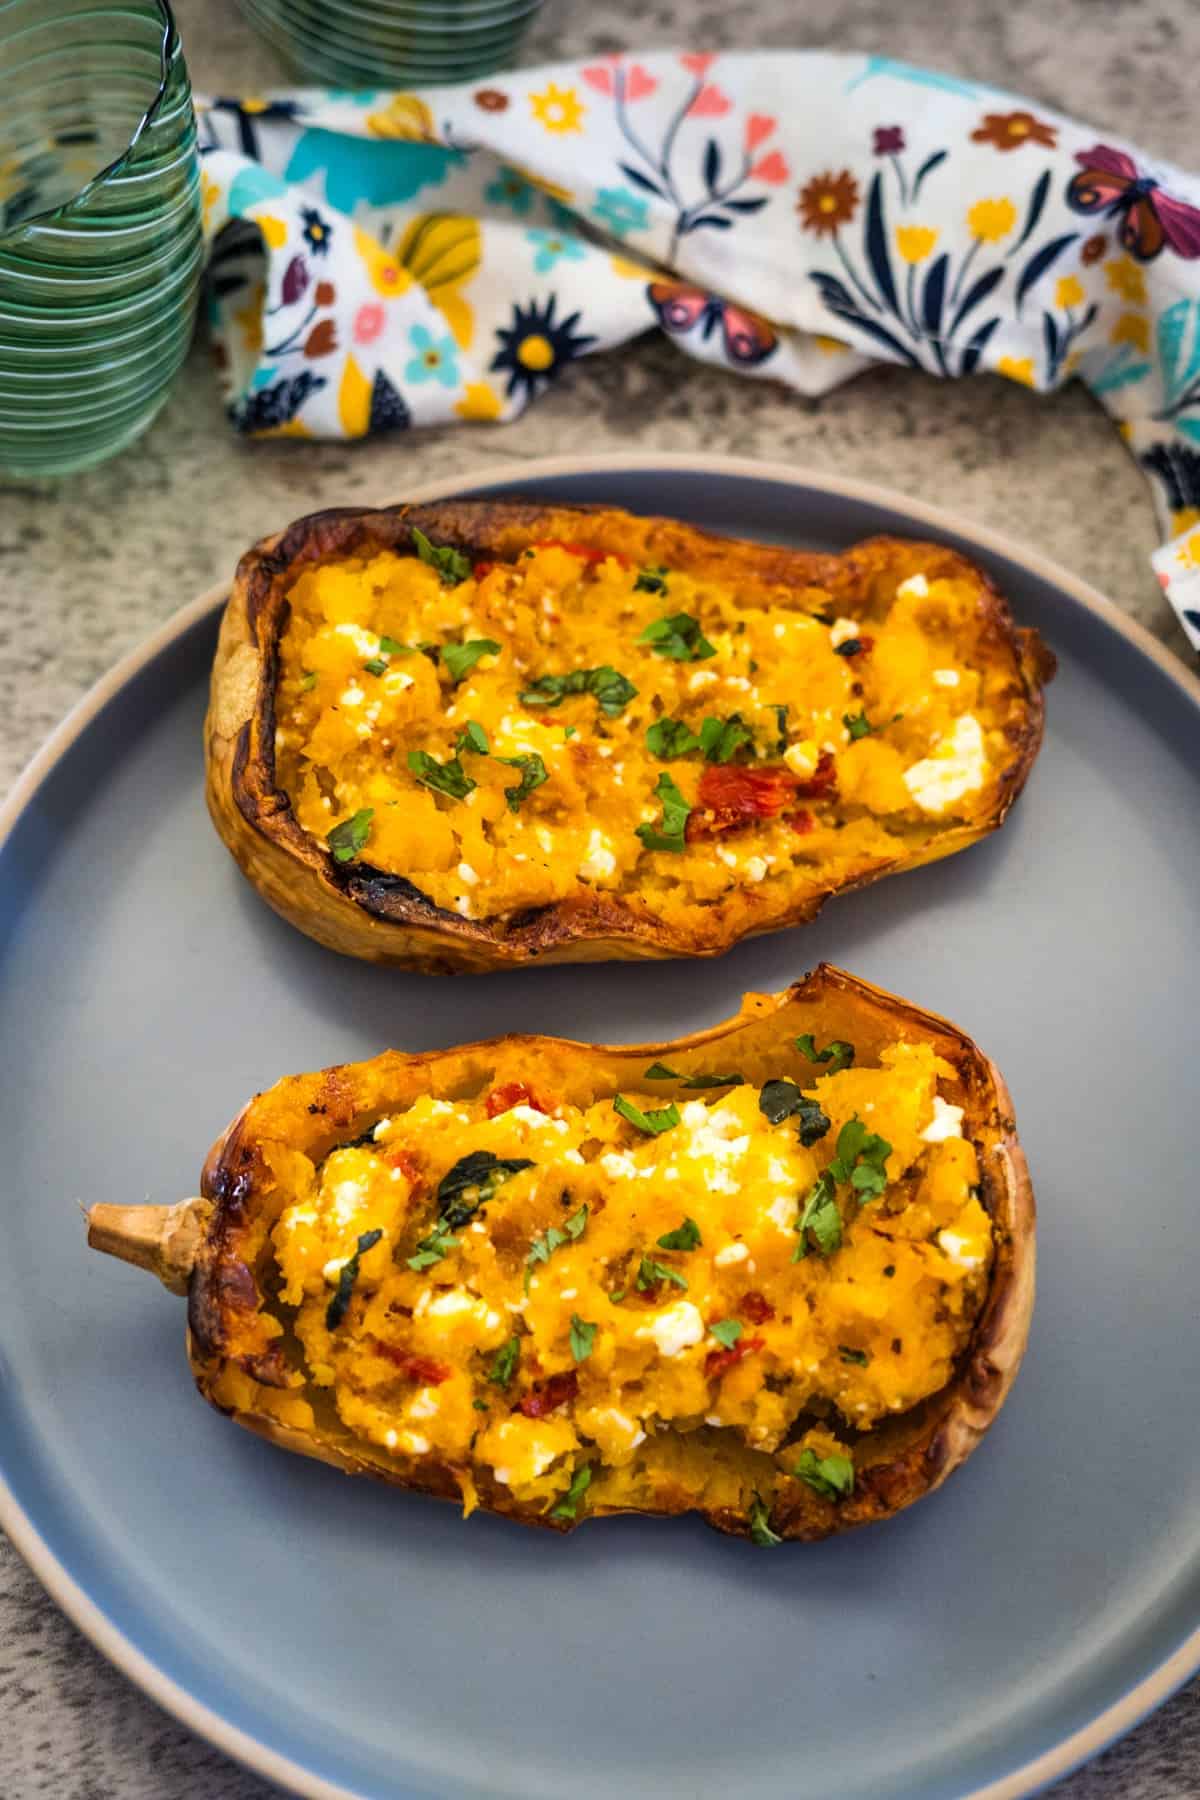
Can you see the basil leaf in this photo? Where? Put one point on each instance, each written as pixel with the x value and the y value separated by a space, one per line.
pixel 669 738
pixel 390 646
pixel 820 1222
pixel 432 1248
pixel 309 682
pixel 533 773
pixel 760 1525
pixel 859 726
pixel 376 666
pixel 335 1312
pixel 569 731
pixel 450 564
pixel 837 1054
pixel 449 778
pixel 651 581
pixel 858 1145
pixel 460 659
pixel 569 1504
pixel 349 838
pixel 552 1239
pixel 651 1273
pixel 583 1336
pixel 727 1332
pixel 721 739
pixel 678 636
pixel 660 1072
pixel 610 689
pixel 657 1119
pixel 830 1476
pixel 674 819
pixel 472 1181
pixel 474 737
pixel 684 1237
pixel 781 1100
pixel 859 1358
pixel 504 1366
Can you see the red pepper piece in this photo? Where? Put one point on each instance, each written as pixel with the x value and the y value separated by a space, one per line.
pixel 422 1369
pixel 584 551
pixel 755 1307
pixel 717 1361
pixel 547 1395
pixel 515 1093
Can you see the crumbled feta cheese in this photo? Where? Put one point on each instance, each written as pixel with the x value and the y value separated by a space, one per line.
pixel 945 1123
pixel 365 642
pixel 572 1156
pixel 916 585
pixel 545 838
pixel 955 767
pixel 842 630
pixel 616 1165
pixel 600 860
pixel 728 857
pixel 466 873
pixel 732 1253
pixel 754 868
pixel 450 1304
pixel 334 1267
pixel 395 681
pixel 352 695
pixel 945 677
pixel 701 679
pixel 415 1444
pixel 802 758
pixel 425 1404
pixel 676 1328
pixel 529 1115
pixel 348 1197
pixel 783 1212
pixel 956 1248
pixel 463 905
pixel 390 1440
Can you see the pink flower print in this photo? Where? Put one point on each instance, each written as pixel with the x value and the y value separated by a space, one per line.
pixel 699 61
pixel 639 82
pixel 710 103
pixel 770 168
pixel 598 77
pixel 369 321
pixel 889 140
pixel 758 127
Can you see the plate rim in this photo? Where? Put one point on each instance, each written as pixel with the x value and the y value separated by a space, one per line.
pixel 83 1612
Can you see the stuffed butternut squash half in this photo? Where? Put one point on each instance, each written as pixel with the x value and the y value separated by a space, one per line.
pixel 779 1273
pixel 463 736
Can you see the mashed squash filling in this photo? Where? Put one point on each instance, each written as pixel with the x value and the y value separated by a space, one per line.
pixel 568 1301
pixel 505 734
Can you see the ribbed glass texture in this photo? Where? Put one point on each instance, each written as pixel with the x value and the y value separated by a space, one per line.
pixel 392 43
pixel 100 245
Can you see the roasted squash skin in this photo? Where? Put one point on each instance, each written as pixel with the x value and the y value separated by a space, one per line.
pixel 249 1362
pixel 383 916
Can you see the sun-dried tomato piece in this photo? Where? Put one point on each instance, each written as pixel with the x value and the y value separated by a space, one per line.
pixel 543 1398
pixel 408 1164
pixel 423 1369
pixel 718 1361
pixel 480 569
pixel 755 1307
pixel 515 1093
pixel 584 551
pixel 822 783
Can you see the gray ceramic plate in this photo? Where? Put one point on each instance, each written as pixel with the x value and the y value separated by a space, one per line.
pixel 348 1639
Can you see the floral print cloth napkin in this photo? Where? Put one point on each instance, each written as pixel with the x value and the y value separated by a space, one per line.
pixel 383 260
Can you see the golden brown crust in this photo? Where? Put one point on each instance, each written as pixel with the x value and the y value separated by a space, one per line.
pixel 386 919
pixel 907 1458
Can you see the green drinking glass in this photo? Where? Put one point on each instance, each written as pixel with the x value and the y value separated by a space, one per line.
pixel 100 214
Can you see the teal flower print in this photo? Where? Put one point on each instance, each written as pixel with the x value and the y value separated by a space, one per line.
pixel 436 359
pixel 510 188
pixel 552 247
pixel 620 210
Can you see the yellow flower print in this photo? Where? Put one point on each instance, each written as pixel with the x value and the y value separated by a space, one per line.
pixel 481 401
pixel 629 270
pixel 1126 279
pixel 1187 554
pixel 829 346
pixel 991 219
pixel 1017 368
pixel 915 242
pixel 1182 519
pixel 383 271
pixel 1131 328
pixel 249 318
pixel 210 193
pixel 405 116
pixel 1068 291
pixel 442 251
pixel 273 230
pixel 558 109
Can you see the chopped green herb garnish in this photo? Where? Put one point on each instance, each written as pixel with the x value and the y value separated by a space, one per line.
pixel 569 1504
pixel 651 1273
pixel 432 1248
pixel 450 564
pixel 474 737
pixel 504 1365
pixel 335 1312
pixel 820 1222
pixel 830 1476
pixel 669 738
pixel 860 1158
pixel 472 1182
pixel 390 646
pixel 449 778
pixel 569 731
pixel 659 1118
pixel 610 689
pixel 678 636
pixel 780 1100
pixel 760 1524
pixel 349 839
pixel 727 1332
pixel 837 1054
pixel 684 1237
pixel 460 659
pixel 533 773
pixel 376 666
pixel 859 1358
pixel 848 647
pixel 674 820
pixel 660 1072
pixel 651 581
pixel 583 1336
pixel 617 1295
pixel 552 1239
pixel 721 739
pixel 781 718
pixel 859 726
pixel 309 682
pixel 480 1405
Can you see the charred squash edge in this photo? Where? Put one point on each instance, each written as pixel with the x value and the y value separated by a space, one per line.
pixel 196 1247
pixel 386 918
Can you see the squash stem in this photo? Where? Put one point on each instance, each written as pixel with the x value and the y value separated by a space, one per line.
pixel 164 1239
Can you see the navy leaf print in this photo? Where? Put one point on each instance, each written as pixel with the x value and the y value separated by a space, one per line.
pixel 932 301
pixel 276 404
pixel 640 180
pixel 1050 335
pixel 976 347
pixel 927 168
pixel 712 164
pixel 881 333
pixel 834 293
pixel 876 244
pixel 747 206
pixel 1037 265
pixel 708 219
pixel 975 295
pixel 1037 201
pixel 1193 618
pixel 389 411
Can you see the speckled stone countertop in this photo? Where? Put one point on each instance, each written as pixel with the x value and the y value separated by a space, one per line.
pixel 88 569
